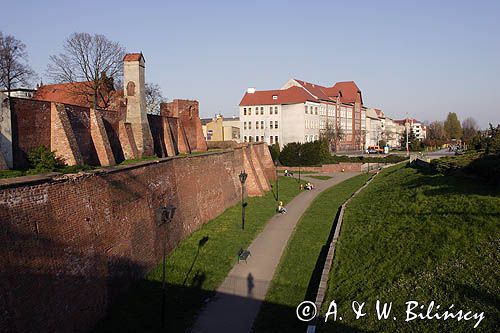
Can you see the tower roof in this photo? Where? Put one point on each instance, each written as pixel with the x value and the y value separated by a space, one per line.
pixel 133 57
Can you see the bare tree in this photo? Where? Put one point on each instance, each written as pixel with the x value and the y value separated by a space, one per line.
pixel 469 128
pixel 333 134
pixel 14 69
pixel 92 60
pixel 153 98
pixel 435 131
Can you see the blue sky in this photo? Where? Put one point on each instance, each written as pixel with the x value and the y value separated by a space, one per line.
pixel 426 58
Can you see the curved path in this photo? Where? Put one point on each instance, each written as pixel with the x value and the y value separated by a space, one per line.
pixel 238 298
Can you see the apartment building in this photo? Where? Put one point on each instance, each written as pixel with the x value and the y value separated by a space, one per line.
pixel 382 128
pixel 221 129
pixel 299 111
pixel 419 129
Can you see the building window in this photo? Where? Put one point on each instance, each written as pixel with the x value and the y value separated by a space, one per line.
pixel 275 110
pixel 249 111
pixel 256 125
pixel 270 110
pixel 244 111
pixel 276 124
pixel 276 138
pixel 316 110
pixel 271 139
pixel 262 138
pixel 271 124
pixel 275 97
pixel 249 125
pixel 250 139
pixel 244 125
pixel 306 109
pixel 261 110
pixel 262 124
pixel 245 138
pixel 256 138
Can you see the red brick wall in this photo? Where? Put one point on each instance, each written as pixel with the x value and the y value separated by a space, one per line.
pixel 30 128
pixel 68 246
pixel 156 127
pixel 79 118
pixel 188 113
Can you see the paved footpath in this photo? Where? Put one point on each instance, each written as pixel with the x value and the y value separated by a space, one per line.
pixel 238 299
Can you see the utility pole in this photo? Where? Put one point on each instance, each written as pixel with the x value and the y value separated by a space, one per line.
pixel 407 124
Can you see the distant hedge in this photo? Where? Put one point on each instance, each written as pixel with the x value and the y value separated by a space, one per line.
pixel 316 153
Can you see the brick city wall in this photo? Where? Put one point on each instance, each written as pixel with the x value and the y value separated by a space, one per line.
pixel 70 243
pixel 30 128
pixel 67 129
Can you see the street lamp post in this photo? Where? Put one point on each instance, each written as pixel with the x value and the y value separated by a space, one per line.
pixel 300 163
pixel 167 214
pixel 277 181
pixel 243 177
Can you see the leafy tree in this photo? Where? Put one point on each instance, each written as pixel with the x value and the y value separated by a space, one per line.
pixel 289 156
pixel 14 68
pixel 452 126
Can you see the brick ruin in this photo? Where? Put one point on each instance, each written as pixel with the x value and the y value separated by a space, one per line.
pixel 70 244
pixel 83 135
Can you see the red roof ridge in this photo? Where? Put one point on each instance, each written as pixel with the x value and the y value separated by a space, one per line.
pixel 133 57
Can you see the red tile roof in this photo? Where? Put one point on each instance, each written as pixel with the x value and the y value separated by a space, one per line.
pixel 133 57
pixel 348 89
pixel 291 95
pixel 76 93
pixel 318 91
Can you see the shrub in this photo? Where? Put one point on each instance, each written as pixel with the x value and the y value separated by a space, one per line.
pixel 289 156
pixel 42 159
pixel 275 151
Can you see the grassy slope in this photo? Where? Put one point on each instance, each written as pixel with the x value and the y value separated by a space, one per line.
pixel 293 281
pixel 417 236
pixel 193 276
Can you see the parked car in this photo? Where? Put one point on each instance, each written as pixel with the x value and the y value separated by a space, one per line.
pixel 375 150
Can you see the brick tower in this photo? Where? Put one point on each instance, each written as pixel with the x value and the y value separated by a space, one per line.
pixel 134 93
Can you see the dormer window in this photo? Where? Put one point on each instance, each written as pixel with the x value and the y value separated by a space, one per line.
pixel 275 97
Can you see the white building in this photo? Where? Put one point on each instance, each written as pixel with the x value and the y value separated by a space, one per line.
pixel 419 129
pixel 300 110
pixel 20 92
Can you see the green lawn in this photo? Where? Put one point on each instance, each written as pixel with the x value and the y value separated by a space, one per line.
pixel 320 177
pixel 414 235
pixel 11 173
pixel 296 278
pixel 195 268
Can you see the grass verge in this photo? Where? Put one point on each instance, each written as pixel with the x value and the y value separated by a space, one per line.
pixel 195 268
pixel 414 235
pixel 297 276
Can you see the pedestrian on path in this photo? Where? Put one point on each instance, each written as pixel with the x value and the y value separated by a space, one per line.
pixel 281 209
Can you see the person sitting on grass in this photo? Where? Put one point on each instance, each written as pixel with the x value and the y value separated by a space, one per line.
pixel 309 186
pixel 281 209
pixel 288 173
